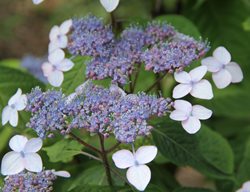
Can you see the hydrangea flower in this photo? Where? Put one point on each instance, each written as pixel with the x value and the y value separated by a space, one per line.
pixel 173 55
pixel 245 187
pixel 58 36
pixel 54 68
pixel 193 83
pixel 90 37
pixel 189 115
pixel 23 156
pixel 37 1
pixel 110 5
pixel 27 181
pixel 224 71
pixel 138 174
pixel 47 111
pixel 16 103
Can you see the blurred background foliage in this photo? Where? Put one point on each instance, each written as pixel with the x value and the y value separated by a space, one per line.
pixel 223 160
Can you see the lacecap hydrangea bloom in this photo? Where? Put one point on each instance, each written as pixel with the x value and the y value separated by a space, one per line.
pixel 96 109
pixel 29 182
pixel 158 45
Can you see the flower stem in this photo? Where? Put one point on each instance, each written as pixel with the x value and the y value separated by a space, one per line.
pixel 155 83
pixel 79 140
pixel 90 156
pixel 113 148
pixel 105 160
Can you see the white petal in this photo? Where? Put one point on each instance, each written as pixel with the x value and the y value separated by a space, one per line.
pixel 56 56
pixel 109 5
pixel 47 69
pixel 12 163
pixel 56 78
pixel 235 71
pixel 178 115
pixel 191 125
pixel 65 26
pixel 198 73
pixel 145 154
pixel 202 90
pixel 246 187
pixel 37 1
pixel 6 114
pixel 22 102
pixel 201 112
pixel 222 55
pixel 33 162
pixel 212 64
pixel 14 99
pixel 53 45
pixel 139 176
pixel 65 174
pixel 13 118
pixel 182 77
pixel 62 41
pixel 33 145
pixel 81 88
pixel 70 98
pixel 115 89
pixel 181 90
pixel 182 105
pixel 65 65
pixel 123 159
pixel 17 143
pixel 222 78
pixel 54 32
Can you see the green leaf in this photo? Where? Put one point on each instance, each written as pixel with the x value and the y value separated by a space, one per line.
pixel 76 76
pixel 246 24
pixel 244 168
pixel 182 24
pixel 221 22
pixel 192 190
pixel 12 79
pixel 63 151
pixel 206 150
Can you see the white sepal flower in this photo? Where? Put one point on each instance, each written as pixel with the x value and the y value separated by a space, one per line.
pixel 193 83
pixel 16 103
pixel 189 115
pixel 54 68
pixel 23 156
pixel 223 70
pixel 245 187
pixel 110 5
pixel 58 35
pixel 37 1
pixel 65 174
pixel 138 173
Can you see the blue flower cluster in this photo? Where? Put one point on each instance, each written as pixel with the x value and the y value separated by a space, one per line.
pixel 96 109
pixel 30 182
pixel 175 54
pixel 158 45
pixel 46 111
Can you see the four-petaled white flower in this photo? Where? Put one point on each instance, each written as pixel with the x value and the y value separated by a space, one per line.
pixel 193 83
pixel 58 36
pixel 16 103
pixel 23 156
pixel 245 187
pixel 37 1
pixel 189 115
pixel 223 70
pixel 138 173
pixel 110 5
pixel 54 68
